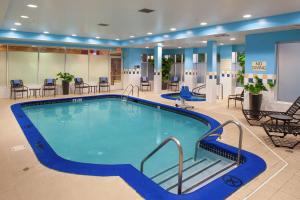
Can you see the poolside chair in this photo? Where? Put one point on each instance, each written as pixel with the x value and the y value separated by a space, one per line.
pixel 145 83
pixel 236 97
pixel 277 133
pixel 174 82
pixel 17 86
pixel 103 83
pixel 49 85
pixel 254 118
pixel 185 94
pixel 80 85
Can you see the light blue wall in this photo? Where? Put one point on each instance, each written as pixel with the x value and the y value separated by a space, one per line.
pixel 212 51
pixel 188 58
pixel 132 56
pixel 157 57
pixel 226 51
pixel 262 47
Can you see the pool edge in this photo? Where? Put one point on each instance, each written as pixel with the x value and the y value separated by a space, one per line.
pixel 253 166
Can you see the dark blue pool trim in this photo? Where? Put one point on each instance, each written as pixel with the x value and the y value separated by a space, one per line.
pixel 169 96
pixel 217 189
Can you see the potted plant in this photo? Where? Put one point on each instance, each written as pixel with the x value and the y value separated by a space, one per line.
pixel 255 95
pixel 66 79
pixel 241 72
pixel 166 68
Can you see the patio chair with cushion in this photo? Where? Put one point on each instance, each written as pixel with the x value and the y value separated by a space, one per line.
pixel 174 82
pixel 103 83
pixel 236 97
pixel 145 83
pixel 49 85
pixel 81 85
pixel 17 86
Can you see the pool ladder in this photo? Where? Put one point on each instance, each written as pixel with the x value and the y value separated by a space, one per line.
pixel 193 162
pixel 130 90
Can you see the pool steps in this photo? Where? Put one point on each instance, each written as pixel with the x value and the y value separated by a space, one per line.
pixel 208 167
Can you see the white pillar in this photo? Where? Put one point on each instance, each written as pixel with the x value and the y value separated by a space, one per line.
pixel 211 78
pixel 157 69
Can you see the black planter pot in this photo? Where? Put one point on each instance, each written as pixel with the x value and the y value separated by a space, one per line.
pixel 65 87
pixel 255 101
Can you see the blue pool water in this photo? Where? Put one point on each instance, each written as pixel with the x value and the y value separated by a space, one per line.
pixel 111 131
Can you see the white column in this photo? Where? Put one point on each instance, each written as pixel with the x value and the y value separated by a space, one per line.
pixel 211 78
pixel 157 69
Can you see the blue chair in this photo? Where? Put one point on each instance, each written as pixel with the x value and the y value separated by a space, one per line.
pixel 17 86
pixel 185 93
pixel 49 85
pixel 103 83
pixel 174 82
pixel 80 85
pixel 145 83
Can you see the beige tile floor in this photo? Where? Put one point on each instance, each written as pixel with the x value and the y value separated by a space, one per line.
pixel 22 177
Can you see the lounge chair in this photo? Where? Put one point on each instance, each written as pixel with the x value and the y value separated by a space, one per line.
pixel 145 83
pixel 277 132
pixel 174 82
pixel 49 85
pixel 236 97
pixel 254 118
pixel 17 86
pixel 185 94
pixel 80 85
pixel 103 83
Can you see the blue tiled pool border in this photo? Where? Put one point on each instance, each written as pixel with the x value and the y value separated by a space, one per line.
pixel 217 189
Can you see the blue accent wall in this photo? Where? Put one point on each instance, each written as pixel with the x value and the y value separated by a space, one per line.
pixel 262 47
pixel 132 56
pixel 212 56
pixel 188 58
pixel 226 51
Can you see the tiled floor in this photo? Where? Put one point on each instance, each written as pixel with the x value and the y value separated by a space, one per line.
pixel 22 177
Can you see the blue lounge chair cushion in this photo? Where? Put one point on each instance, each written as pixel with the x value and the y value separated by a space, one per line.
pixel 17 82
pixel 78 80
pixel 185 93
pixel 49 81
pixel 144 79
pixel 103 80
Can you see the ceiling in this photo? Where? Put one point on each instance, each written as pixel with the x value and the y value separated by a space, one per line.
pixel 67 17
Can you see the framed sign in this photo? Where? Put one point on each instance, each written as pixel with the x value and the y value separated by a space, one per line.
pixel 259 66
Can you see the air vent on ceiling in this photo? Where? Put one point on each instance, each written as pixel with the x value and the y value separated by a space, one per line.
pixel 103 24
pixel 146 10
pixel 222 35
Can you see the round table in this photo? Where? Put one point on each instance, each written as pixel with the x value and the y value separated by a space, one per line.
pixel 34 91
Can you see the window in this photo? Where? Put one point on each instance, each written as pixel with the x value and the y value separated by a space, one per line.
pixel 3 71
pixel 98 65
pixel 288 71
pixel 23 63
pixel 77 63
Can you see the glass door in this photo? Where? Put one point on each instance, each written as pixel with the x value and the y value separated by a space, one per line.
pixel 115 70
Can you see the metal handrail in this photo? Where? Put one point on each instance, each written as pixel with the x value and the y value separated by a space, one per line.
pixel 198 89
pixel 180 159
pixel 212 133
pixel 131 90
pixel 138 90
pixel 130 85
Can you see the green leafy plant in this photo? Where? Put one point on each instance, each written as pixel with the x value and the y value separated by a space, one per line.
pixel 257 87
pixel 271 84
pixel 67 77
pixel 241 73
pixel 166 68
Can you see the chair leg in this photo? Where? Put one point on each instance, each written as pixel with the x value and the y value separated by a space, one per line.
pixel 235 103
pixel 228 104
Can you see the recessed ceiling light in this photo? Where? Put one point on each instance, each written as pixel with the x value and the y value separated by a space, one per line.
pixel 147 47
pixel 203 23
pixel 221 44
pixel 149 33
pixel 166 36
pixel 97 37
pixel 24 17
pixel 179 47
pixel 117 39
pixel 204 41
pixel 132 36
pixel 247 16
pixel 46 32
pixel 232 39
pixel 74 35
pixel 18 24
pixel 13 29
pixel 172 29
pixel 32 6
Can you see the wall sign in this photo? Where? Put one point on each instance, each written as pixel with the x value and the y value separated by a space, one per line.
pixel 259 66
